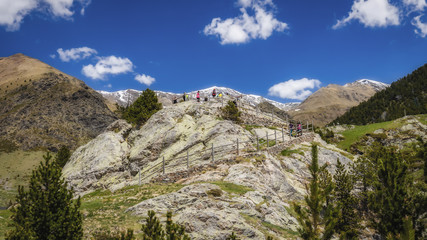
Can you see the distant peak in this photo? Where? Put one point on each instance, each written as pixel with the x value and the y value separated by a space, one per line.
pixel 377 85
pixel 19 55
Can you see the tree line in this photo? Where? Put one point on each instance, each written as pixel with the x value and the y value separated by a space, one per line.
pixel 379 191
pixel 405 96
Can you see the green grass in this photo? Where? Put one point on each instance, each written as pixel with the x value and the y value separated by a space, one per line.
pixel 353 135
pixel 266 227
pixel 15 169
pixel 251 127
pixel 422 118
pixel 232 188
pixel 103 209
pixel 4 222
pixel 288 152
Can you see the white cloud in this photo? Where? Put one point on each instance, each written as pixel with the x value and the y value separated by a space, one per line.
pixel 145 79
pixel 245 27
pixel 294 89
pixel 108 85
pixel 12 12
pixel 422 27
pixel 60 8
pixel 107 65
pixel 75 53
pixel 372 13
pixel 417 5
pixel 53 56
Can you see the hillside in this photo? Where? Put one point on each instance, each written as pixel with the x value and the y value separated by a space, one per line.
pixel 43 108
pixel 407 96
pixel 332 101
pixel 255 188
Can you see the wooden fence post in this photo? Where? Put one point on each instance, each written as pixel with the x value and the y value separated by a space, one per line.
pixel 213 159
pixel 307 126
pixel 283 136
pixel 275 137
pixel 163 164
pixel 267 138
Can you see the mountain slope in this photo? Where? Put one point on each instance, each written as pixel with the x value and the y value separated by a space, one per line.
pixel 126 97
pixel 41 107
pixel 332 101
pixel 405 96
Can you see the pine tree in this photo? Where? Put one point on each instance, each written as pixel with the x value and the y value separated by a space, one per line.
pixel 46 210
pixel 174 231
pixel 63 156
pixel 364 172
pixel 310 219
pixel 347 225
pixel 143 108
pixel 391 200
pixel 231 112
pixel 153 230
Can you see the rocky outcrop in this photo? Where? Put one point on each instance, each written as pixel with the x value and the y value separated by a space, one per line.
pixel 274 182
pixel 169 133
pixel 409 131
pixel 207 208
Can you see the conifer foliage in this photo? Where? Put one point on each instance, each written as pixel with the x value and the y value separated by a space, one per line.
pixel 143 108
pixel 231 112
pixel 347 225
pixel 405 96
pixel 153 229
pixel 391 198
pixel 47 210
pixel 311 219
pixel 63 156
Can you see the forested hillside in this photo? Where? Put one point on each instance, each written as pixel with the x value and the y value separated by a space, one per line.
pixel 407 95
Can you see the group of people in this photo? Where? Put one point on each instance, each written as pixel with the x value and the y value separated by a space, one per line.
pixel 298 130
pixel 214 94
pixel 185 96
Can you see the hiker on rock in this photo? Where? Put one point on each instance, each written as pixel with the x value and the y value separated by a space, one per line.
pixel 214 93
pixel 183 96
pixel 198 96
pixel 299 129
pixel 291 128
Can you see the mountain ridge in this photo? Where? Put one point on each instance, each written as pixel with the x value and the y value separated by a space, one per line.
pixel 125 97
pixel 332 101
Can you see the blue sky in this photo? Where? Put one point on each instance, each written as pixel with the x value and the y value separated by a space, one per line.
pixel 280 49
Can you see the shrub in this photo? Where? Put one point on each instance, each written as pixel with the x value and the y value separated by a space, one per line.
pixel 153 230
pixel 143 108
pixel 231 112
pixel 215 192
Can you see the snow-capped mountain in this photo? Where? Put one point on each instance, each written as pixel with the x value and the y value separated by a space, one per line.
pixel 378 86
pixel 332 101
pixel 126 97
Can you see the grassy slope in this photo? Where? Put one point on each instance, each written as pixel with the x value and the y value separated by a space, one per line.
pixel 353 135
pixel 15 169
